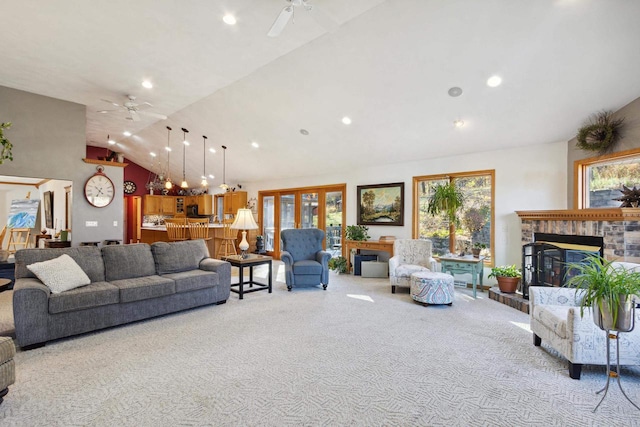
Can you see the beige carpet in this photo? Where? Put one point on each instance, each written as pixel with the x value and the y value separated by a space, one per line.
pixel 352 355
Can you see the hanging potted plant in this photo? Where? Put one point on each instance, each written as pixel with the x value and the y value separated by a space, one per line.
pixel 7 146
pixel 608 289
pixel 446 199
pixel 507 276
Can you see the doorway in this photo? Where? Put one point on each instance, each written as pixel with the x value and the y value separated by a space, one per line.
pixel 308 207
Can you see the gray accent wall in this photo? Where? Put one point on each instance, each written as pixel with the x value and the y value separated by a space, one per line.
pixel 49 141
pixel 630 140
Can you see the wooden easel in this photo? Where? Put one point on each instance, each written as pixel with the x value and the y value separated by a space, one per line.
pixel 18 239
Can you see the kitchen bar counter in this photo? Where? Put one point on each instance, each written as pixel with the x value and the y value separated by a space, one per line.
pixel 158 233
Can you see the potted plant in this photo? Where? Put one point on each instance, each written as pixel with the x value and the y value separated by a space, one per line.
pixel 507 276
pixel 477 247
pixel 446 199
pixel 357 232
pixel 608 289
pixel 338 264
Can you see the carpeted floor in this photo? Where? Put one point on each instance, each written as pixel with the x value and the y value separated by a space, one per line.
pixel 354 354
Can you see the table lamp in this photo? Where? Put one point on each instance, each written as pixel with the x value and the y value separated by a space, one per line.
pixel 244 221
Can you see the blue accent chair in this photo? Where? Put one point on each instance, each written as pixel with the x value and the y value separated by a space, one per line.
pixel 305 263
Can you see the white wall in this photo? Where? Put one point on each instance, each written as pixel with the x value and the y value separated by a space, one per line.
pixel 527 178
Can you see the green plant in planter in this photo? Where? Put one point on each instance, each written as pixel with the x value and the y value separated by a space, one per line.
pixel 357 232
pixel 446 199
pixel 479 245
pixel 338 264
pixel 507 276
pixel 505 271
pixel 7 146
pixel 606 287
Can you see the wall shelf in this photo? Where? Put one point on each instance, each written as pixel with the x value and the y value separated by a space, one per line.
pixel 105 163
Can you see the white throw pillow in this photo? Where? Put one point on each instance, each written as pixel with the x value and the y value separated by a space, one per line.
pixel 60 274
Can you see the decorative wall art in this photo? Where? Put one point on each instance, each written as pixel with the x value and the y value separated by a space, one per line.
pixel 381 204
pixel 23 213
pixel 48 208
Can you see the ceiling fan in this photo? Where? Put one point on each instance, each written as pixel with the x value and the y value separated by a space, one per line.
pixel 133 109
pixel 288 12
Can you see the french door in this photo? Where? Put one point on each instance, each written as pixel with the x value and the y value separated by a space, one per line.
pixel 309 207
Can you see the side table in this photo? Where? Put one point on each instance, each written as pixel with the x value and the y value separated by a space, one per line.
pixel 54 243
pixel 469 265
pixel 250 261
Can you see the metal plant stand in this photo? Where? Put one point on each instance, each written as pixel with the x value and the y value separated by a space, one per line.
pixel 614 334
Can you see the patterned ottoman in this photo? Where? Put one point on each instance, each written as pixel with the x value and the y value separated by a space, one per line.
pixel 432 288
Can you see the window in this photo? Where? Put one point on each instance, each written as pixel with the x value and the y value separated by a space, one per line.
pixel 600 179
pixel 476 216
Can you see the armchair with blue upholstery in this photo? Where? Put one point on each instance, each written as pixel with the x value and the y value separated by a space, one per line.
pixel 305 263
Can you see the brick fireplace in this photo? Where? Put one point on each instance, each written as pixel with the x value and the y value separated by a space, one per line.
pixel 619 228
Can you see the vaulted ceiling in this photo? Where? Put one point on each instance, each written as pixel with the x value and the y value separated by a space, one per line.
pixel 387 65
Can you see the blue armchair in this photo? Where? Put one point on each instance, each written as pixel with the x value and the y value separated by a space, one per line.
pixel 305 263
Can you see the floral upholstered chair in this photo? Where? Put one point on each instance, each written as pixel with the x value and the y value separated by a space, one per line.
pixel 409 256
pixel 554 315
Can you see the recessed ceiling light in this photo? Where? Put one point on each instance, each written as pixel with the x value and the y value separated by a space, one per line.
pixel 458 123
pixel 147 84
pixel 455 91
pixel 255 144
pixel 152 154
pixel 494 81
pixel 211 176
pixel 126 133
pixel 185 142
pixel 229 19
pixel 212 150
pixel 346 120
pixel 111 141
pixel 304 132
pixel 167 148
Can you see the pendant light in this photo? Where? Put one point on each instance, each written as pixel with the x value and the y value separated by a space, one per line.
pixel 224 185
pixel 184 147
pixel 204 182
pixel 168 184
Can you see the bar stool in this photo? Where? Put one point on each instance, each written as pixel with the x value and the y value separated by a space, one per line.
pixel 228 242
pixel 198 228
pixel 176 229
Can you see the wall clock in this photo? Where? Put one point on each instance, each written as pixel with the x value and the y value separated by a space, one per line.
pixel 99 189
pixel 129 187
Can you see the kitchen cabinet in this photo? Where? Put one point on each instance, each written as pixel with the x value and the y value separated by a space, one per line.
pixel 234 201
pixel 204 202
pixel 159 205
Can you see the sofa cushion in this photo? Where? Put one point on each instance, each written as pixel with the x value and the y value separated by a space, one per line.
pixel 60 274
pixel 554 317
pixel 140 288
pixel 193 279
pixel 89 258
pixel 128 261
pixel 175 257
pixel 93 295
pixel 306 266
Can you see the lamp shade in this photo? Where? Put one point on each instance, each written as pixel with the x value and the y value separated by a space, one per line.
pixel 244 220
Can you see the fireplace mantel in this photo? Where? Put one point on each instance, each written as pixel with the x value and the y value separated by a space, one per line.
pixel 619 228
pixel 609 214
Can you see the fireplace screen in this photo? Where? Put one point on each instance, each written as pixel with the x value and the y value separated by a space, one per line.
pixel 545 263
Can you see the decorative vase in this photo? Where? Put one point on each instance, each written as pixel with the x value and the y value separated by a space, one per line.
pixel 603 317
pixel 508 285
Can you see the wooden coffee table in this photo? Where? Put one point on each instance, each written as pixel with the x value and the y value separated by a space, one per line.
pixel 251 261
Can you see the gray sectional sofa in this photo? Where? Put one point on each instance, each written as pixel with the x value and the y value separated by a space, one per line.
pixel 128 283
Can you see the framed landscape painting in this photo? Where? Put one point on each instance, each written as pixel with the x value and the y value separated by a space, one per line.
pixel 381 204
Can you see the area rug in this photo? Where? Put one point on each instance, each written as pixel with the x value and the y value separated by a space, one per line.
pixel 355 355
